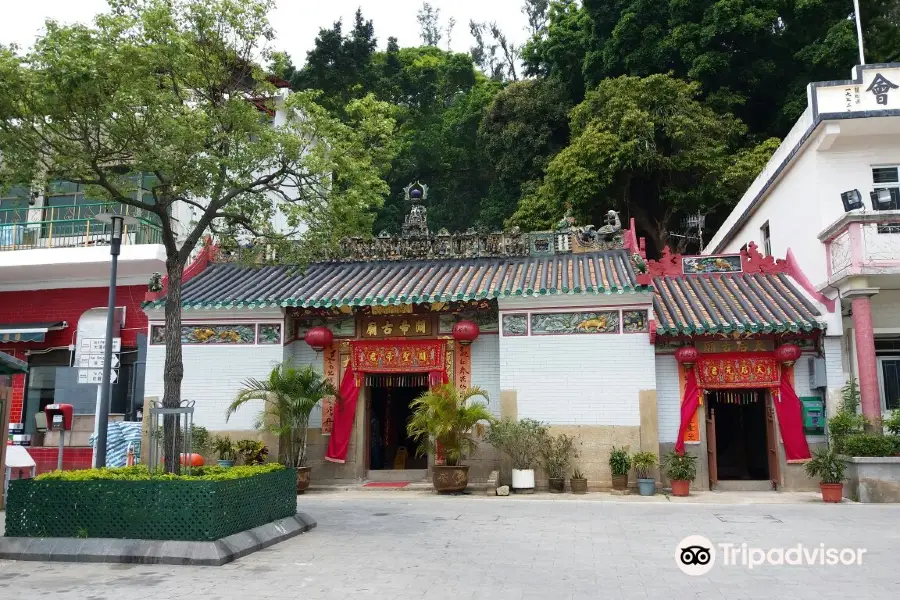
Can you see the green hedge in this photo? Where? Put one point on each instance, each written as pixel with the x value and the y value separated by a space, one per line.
pixel 140 473
pixel 869 444
pixel 123 503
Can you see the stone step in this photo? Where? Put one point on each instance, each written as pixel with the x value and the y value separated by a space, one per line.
pixel 396 475
pixel 743 485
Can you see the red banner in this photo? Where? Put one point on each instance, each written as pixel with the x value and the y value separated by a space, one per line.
pixel 743 370
pixel 398 356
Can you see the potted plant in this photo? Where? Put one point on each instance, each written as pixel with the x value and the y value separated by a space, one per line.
pixel 252 452
pixel 643 464
pixel 289 394
pixel 444 418
pixel 826 465
pixel 225 450
pixel 559 450
pixel 522 441
pixel 681 469
pixel 578 483
pixel 619 464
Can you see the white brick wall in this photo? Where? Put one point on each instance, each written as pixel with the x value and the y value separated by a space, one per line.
pixel 212 376
pixel 668 397
pixel 302 354
pixel 578 379
pixel 801 377
pixel 486 368
pixel 834 364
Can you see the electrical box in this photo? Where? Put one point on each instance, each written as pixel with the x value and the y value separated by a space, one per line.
pixel 813 415
pixel 59 417
pixel 816 370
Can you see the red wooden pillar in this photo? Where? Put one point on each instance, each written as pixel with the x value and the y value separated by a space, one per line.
pixel 865 357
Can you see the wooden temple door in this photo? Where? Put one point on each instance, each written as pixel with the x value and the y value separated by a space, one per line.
pixel 711 447
pixel 771 444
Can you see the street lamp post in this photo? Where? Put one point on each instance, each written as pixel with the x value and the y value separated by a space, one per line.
pixel 859 32
pixel 117 223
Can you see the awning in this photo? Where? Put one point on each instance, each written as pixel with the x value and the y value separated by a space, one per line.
pixel 10 365
pixel 29 332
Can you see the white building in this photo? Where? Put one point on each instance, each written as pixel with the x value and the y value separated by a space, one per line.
pixel 829 200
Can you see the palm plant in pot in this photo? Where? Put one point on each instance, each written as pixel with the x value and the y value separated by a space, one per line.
pixel 826 465
pixel 289 395
pixel 523 442
pixel 619 464
pixel 681 469
pixel 559 450
pixel 225 449
pixel 643 464
pixel 444 419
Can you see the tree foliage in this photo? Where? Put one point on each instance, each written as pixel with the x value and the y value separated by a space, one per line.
pixel 169 88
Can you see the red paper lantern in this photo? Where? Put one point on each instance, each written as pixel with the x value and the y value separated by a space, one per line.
pixel 687 355
pixel 466 332
pixel 788 354
pixel 319 338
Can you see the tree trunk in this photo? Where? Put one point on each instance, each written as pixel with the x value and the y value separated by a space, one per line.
pixel 173 371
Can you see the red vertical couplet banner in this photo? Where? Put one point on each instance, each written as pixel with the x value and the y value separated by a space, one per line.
pixel 688 407
pixel 790 420
pixel 344 414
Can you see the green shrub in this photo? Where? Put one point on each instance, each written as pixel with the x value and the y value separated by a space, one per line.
pixel 892 423
pixel 826 466
pixel 680 467
pixel 201 441
pixel 559 450
pixel 619 461
pixel 522 440
pixel 252 452
pixel 140 473
pixel 643 463
pixel 869 444
pixel 846 421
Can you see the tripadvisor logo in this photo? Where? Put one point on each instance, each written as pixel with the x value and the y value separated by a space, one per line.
pixel 696 555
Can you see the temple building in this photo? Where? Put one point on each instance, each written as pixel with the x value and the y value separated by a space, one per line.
pixel 718 355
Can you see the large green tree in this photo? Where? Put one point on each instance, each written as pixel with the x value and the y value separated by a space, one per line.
pixel 752 58
pixel 163 87
pixel 647 147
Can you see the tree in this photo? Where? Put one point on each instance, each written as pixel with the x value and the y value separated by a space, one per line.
pixel 169 88
pixel 496 56
pixel 339 65
pixel 645 146
pixel 536 11
pixel 289 394
pixel 429 24
pixel 524 127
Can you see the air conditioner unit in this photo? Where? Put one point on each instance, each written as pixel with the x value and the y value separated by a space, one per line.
pixel 816 368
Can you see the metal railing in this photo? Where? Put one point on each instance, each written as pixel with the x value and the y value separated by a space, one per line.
pixel 29 228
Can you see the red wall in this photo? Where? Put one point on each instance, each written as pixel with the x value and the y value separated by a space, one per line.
pixel 36 306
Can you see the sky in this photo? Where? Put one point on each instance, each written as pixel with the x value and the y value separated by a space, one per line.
pixel 296 21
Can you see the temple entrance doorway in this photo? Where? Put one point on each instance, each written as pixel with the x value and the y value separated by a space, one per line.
pixel 391 452
pixel 740 440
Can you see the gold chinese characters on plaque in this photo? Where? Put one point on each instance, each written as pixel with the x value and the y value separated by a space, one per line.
pixel 396 326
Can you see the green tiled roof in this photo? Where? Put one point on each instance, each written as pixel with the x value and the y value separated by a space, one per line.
pixel 734 302
pixel 226 285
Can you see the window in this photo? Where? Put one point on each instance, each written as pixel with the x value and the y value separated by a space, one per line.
pixel 766 238
pixel 14 205
pixel 886 194
pixel 889 376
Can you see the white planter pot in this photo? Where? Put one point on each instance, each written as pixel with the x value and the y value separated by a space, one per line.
pixel 523 479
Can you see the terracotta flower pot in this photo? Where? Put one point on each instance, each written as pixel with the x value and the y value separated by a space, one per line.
pixel 302 479
pixel 448 480
pixel 681 487
pixel 579 486
pixel 832 492
pixel 557 484
pixel 620 482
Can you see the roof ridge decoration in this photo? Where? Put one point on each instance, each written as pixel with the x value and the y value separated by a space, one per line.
pixel 749 260
pixel 417 242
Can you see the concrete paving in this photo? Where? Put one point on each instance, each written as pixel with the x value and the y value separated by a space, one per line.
pixel 414 545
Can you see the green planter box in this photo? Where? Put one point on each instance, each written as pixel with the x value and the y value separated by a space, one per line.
pixel 158 509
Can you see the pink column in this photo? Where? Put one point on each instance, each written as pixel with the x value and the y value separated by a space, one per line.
pixel 865 358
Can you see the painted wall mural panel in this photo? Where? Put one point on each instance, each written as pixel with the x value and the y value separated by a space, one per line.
pixel 712 264
pixel 515 325
pixel 575 323
pixel 269 333
pixel 342 327
pixel 209 334
pixel 635 321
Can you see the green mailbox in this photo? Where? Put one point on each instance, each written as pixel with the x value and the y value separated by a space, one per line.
pixel 813 415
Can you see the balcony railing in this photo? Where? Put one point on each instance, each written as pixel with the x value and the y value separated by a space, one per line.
pixel 863 243
pixel 29 228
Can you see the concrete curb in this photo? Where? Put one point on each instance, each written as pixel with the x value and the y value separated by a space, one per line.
pixel 156 552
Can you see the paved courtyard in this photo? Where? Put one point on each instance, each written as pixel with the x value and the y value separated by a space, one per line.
pixel 410 545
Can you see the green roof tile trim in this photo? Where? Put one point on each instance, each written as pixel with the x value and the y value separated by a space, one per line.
pixel 382 283
pixel 723 303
